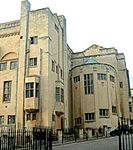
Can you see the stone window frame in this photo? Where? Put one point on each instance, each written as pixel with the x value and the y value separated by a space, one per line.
pixel 104 112
pixel 11 119
pixel 7 91
pixel 3 66
pixel 90 116
pixel 33 62
pixel 13 64
pixel 88 84
pixel 2 119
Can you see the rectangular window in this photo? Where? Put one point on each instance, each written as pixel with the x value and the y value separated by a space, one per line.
pixel 130 107
pixel 30 89
pixel 33 61
pixel 62 95
pixel 101 76
pixel 114 110
pixel 34 40
pixel 88 84
pixel 11 119
pixel 53 66
pixel 57 69
pixel 3 66
pixel 33 116
pixel 121 84
pixel 13 65
pixel 53 117
pixel 78 121
pixel 76 79
pixel 58 94
pixel 61 74
pixel 1 119
pixel 103 112
pixel 7 91
pixel 112 78
pixel 37 90
pixel 28 117
pixel 89 116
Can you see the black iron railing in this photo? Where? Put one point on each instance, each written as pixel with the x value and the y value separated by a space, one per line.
pixel 38 138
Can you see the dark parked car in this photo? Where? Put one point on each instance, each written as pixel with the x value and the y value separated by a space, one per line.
pixel 117 131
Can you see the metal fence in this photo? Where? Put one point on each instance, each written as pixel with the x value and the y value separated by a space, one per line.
pixel 38 138
pixel 125 134
pixel 74 135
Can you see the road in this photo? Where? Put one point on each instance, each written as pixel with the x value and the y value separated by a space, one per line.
pixel 100 144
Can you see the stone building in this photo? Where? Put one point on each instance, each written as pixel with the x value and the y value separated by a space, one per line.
pixel 43 83
pixel 100 88
pixel 34 70
pixel 131 106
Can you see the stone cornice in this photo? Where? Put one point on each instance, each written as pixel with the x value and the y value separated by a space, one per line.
pixel 10 24
pixel 9 34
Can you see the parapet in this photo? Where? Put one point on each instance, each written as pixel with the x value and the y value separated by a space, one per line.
pixel 10 24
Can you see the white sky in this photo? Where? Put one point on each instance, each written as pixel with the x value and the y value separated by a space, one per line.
pixel 108 23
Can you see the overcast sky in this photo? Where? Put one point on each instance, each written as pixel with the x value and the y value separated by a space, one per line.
pixel 108 23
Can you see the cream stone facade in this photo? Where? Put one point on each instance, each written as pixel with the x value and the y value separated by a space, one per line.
pixel 34 70
pixel 100 88
pixel 45 84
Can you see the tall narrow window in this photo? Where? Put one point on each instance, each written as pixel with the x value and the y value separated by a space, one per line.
pixel 3 66
pixel 37 90
pixel 28 117
pixel 121 84
pixel 7 91
pixel 61 73
pixel 13 65
pixel 29 89
pixel 11 119
pixel 53 66
pixel 58 94
pixel 62 95
pixel 1 119
pixel 88 84
pixel 130 107
pixel 33 61
pixel 33 116
pixel 112 78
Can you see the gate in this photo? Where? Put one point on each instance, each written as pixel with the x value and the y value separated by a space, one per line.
pixel 125 134
pixel 37 139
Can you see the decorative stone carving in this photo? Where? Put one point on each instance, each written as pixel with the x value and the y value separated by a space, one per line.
pixel 9 34
pixel 10 24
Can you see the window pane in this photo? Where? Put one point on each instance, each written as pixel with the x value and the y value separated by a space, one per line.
pixel 13 65
pixel 3 66
pixel 58 94
pixel 1 119
pixel 37 90
pixel 88 84
pixel 33 62
pixel 11 119
pixel 30 89
pixel 7 91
